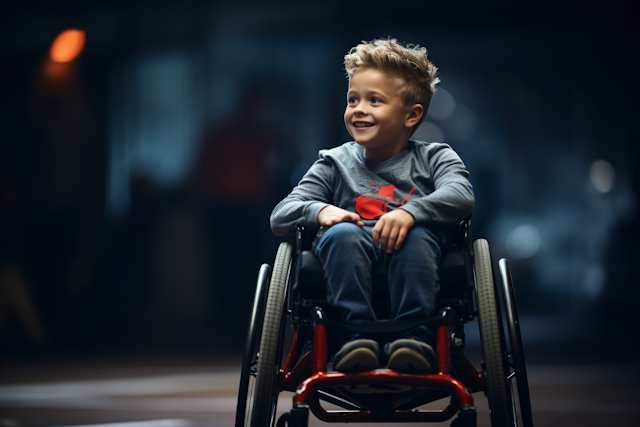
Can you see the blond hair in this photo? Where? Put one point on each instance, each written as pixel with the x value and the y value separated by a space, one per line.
pixel 409 64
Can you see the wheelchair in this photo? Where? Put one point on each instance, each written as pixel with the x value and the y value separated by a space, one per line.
pixel 293 292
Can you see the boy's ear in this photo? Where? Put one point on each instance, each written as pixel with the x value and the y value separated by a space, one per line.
pixel 414 115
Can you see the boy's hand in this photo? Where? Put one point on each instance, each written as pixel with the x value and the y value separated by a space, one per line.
pixel 332 215
pixel 391 229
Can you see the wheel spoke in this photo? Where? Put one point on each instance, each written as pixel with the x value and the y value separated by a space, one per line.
pixel 254 367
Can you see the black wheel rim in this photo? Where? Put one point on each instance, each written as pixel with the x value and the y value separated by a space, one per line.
pixel 247 374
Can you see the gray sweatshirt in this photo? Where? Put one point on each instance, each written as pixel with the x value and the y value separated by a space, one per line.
pixel 428 180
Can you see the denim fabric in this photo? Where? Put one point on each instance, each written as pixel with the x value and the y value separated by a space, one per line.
pixel 348 257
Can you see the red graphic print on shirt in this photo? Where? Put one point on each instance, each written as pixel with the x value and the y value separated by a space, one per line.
pixel 372 206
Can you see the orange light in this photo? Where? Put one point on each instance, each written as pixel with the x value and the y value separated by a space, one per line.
pixel 67 46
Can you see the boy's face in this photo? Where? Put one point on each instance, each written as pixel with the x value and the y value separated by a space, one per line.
pixel 375 115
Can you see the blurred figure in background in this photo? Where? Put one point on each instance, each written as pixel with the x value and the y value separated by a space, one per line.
pixel 234 177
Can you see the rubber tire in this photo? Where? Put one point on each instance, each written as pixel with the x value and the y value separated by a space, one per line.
pixel 265 398
pixel 254 333
pixel 496 387
pixel 515 343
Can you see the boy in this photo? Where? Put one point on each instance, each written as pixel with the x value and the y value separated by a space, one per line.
pixel 374 199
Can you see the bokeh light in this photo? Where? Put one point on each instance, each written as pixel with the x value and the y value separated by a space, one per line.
pixel 594 280
pixel 67 46
pixel 603 176
pixel 429 132
pixel 442 105
pixel 523 242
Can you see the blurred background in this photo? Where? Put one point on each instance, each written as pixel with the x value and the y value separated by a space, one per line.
pixel 141 155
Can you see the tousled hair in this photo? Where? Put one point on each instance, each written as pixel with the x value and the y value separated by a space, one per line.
pixel 414 75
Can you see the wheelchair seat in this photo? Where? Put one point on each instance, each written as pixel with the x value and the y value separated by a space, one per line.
pixel 453 277
pixel 456 280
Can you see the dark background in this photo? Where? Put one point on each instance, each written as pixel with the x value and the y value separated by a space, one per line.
pixel 137 181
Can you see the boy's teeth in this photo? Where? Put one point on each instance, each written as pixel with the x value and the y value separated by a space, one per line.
pixel 361 125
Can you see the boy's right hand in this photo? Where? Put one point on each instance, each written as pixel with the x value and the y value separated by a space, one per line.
pixel 332 215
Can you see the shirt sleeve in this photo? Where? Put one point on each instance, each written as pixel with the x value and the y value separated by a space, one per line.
pixel 452 199
pixel 306 200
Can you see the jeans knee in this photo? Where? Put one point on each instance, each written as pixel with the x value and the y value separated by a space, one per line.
pixel 343 240
pixel 422 241
pixel 344 233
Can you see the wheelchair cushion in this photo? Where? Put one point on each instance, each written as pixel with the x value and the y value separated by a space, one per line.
pixel 453 277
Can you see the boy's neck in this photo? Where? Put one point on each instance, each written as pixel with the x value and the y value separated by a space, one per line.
pixel 382 154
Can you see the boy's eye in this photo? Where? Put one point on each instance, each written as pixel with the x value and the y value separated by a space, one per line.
pixel 375 100
pixel 351 100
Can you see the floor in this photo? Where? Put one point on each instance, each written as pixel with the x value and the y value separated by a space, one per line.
pixel 136 393
pixel 572 383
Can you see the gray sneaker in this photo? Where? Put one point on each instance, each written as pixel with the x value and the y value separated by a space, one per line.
pixel 410 356
pixel 357 355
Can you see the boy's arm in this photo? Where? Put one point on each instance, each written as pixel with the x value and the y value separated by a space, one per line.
pixel 451 201
pixel 302 206
pixel 453 197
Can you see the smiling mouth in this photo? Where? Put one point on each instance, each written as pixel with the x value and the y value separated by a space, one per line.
pixel 363 125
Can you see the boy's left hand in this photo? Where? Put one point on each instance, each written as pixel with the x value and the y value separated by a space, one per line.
pixel 391 229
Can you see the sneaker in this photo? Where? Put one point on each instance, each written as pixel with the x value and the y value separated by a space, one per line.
pixel 357 355
pixel 410 356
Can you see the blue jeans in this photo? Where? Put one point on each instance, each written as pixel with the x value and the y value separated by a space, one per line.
pixel 348 257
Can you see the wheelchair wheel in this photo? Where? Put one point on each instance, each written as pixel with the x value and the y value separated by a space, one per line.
pixel 250 359
pixel 496 387
pixel 265 398
pixel 516 350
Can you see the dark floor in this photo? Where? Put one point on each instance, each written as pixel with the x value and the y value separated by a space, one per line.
pixel 572 383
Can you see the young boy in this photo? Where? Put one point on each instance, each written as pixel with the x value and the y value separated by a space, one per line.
pixel 375 200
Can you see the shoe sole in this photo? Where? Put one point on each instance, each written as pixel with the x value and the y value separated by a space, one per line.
pixel 409 360
pixel 360 359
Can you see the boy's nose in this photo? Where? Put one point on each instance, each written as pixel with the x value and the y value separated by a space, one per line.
pixel 360 110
